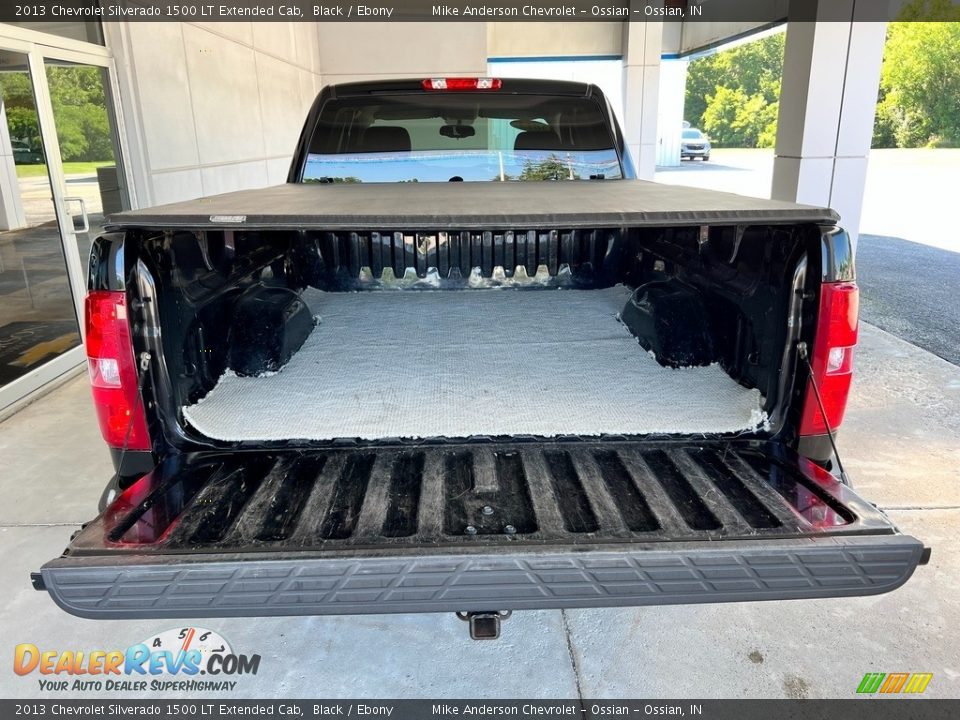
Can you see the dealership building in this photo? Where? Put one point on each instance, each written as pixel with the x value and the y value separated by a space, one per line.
pixel 183 110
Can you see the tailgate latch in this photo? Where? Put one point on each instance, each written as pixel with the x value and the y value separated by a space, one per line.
pixel 484 624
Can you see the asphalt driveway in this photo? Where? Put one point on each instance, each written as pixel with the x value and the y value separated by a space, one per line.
pixel 912 291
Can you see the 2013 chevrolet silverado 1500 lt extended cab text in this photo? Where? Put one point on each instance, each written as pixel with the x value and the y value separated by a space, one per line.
pixel 374 390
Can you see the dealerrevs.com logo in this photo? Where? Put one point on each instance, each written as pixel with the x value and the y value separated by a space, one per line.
pixel 178 660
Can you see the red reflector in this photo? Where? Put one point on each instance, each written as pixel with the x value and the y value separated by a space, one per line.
pixel 832 357
pixel 113 372
pixel 461 83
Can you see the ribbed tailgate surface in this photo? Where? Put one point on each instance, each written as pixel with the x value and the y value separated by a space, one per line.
pixel 477 527
pixel 487 494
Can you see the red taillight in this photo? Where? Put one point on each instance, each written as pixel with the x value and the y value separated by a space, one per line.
pixel 461 83
pixel 832 357
pixel 113 372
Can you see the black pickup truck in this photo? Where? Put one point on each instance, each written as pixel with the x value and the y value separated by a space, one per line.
pixel 463 361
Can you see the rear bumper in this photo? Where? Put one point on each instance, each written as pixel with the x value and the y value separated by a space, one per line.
pixel 634 574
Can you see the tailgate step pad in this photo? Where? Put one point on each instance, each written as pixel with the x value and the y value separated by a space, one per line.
pixel 477 526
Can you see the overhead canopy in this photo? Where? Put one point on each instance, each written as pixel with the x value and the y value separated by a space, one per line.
pixel 462 205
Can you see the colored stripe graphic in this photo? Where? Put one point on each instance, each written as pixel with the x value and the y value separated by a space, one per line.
pixel 894 682
pixel 918 682
pixel 871 682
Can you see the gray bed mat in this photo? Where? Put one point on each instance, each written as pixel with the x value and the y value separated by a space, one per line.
pixel 474 362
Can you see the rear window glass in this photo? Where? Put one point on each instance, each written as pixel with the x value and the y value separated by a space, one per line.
pixel 470 136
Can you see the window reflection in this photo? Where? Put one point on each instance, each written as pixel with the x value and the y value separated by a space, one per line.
pixel 37 318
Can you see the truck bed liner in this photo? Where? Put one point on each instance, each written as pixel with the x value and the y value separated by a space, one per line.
pixel 473 362
pixel 487 205
pixel 477 527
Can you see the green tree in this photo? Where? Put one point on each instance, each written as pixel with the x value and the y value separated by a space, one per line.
pixel 720 116
pixel 704 77
pixel 930 10
pixel 79 109
pixel 22 123
pixel 919 99
pixel 80 112
pixel 734 95
pixel 17 94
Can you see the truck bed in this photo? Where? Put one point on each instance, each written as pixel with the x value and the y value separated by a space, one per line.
pixel 476 362
pixel 493 437
pixel 487 205
pixel 477 526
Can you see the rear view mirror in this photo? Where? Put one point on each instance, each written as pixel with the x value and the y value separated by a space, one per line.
pixel 458 131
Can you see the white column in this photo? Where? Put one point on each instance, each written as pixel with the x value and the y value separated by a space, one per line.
pixel 641 77
pixel 673 86
pixel 831 72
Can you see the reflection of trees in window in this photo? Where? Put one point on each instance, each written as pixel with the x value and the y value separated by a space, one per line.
pixel 846 268
pixel 17 96
pixel 347 180
pixel 79 108
pixel 551 168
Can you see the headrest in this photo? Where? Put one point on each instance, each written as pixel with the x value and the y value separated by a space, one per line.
pixel 386 139
pixel 537 140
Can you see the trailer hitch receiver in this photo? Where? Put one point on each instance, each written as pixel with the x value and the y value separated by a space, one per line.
pixel 485 624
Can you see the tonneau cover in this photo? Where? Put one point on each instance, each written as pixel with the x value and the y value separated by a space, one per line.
pixel 462 205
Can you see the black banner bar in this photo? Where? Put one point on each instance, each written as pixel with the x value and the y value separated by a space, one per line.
pixel 867 708
pixel 754 11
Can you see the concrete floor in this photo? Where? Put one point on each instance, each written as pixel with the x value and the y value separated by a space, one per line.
pixel 901 443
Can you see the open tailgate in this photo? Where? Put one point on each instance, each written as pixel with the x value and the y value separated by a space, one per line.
pixel 477 526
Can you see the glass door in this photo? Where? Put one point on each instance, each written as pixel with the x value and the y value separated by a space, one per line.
pixel 60 175
pixel 38 312
pixel 88 144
